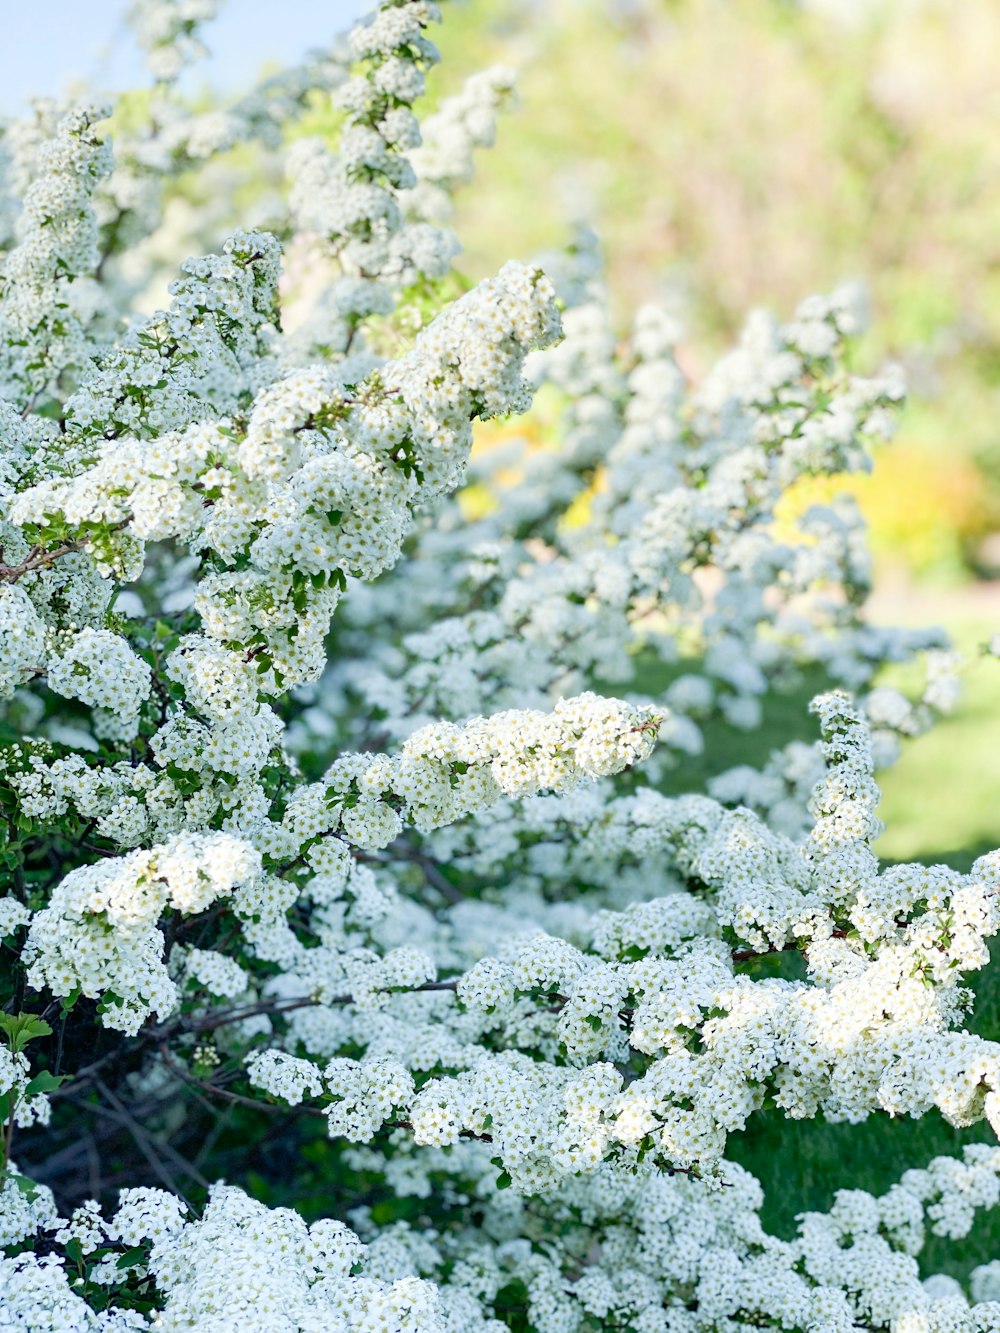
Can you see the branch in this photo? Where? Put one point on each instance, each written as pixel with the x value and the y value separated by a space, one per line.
pixel 237 1099
pixel 432 870
pixel 149 1149
pixel 38 558
pixel 212 1021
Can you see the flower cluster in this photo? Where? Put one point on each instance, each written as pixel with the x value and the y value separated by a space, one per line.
pixel 684 541
pixel 48 298
pixel 166 29
pixel 98 934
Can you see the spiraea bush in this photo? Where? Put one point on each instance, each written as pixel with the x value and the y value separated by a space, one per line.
pixel 358 974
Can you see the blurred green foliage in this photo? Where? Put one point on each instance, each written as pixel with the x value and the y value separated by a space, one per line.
pixel 940 802
pixel 735 153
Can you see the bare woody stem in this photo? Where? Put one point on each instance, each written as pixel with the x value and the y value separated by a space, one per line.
pixel 38 558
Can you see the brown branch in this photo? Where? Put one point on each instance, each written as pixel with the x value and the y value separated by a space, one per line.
pixel 141 1136
pixel 275 1008
pixel 209 1022
pixel 235 1098
pixel 212 1021
pixel 462 1133
pixel 432 871
pixel 149 1149
pixel 744 955
pixel 38 558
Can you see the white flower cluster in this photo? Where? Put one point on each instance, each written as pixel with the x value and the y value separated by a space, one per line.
pixel 23 1102
pixel 13 915
pixel 239 1262
pixel 320 484
pixel 23 633
pixel 166 30
pixel 100 669
pixel 363 1095
pixel 100 930
pixel 448 140
pixel 681 492
pixel 218 974
pixel 353 199
pixel 444 772
pixel 852 1267
pixel 47 296
pixel 873 1027
pixel 99 933
pixel 23 1213
pixel 204 356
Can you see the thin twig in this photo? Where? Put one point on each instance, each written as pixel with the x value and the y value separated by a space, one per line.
pixel 141 1139
pixel 235 1098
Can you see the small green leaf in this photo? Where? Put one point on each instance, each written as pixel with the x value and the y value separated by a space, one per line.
pixel 22 1028
pixel 43 1081
pixel 137 1255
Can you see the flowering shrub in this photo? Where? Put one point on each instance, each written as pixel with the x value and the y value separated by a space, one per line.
pixel 803 139
pixel 315 815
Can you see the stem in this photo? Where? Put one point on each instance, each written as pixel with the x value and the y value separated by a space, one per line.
pixel 8 1132
pixel 37 558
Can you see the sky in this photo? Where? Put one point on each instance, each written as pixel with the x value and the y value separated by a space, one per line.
pixel 46 44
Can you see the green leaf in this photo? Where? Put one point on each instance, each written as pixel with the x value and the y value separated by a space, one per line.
pixel 43 1081
pixel 23 1183
pixel 137 1255
pixel 22 1028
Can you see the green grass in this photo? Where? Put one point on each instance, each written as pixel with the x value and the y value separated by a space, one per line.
pixel 802 1163
pixel 940 804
